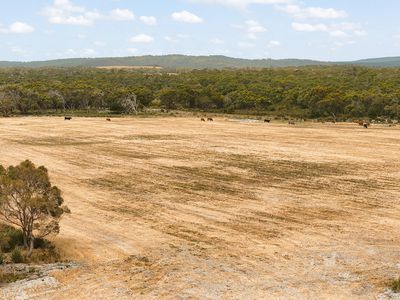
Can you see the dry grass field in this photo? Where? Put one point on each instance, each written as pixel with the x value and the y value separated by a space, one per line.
pixel 175 208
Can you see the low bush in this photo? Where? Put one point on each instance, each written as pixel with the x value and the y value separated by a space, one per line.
pixel 395 285
pixel 11 277
pixel 41 243
pixel 16 256
pixel 10 238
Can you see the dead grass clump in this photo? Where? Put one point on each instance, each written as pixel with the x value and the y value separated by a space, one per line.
pixel 9 277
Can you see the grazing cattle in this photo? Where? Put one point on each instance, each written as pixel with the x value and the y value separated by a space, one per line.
pixel 291 123
pixel 108 119
pixel 267 121
pixel 365 125
pixel 361 123
pixel 67 118
pixel 203 120
pixel 210 119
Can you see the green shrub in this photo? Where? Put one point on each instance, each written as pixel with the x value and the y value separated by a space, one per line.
pixel 40 243
pixel 16 238
pixel 395 285
pixel 16 256
pixel 10 238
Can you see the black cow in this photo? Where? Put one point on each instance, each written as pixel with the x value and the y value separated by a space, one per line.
pixel 108 119
pixel 210 119
pixel 67 118
pixel 267 121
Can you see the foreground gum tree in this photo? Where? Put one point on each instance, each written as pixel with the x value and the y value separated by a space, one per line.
pixel 30 202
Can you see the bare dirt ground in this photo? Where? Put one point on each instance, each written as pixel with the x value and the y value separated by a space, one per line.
pixel 175 208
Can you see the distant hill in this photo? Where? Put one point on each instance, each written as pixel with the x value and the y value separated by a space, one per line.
pixel 194 62
pixel 380 62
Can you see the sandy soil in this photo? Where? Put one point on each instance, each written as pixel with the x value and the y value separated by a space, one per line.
pixel 176 208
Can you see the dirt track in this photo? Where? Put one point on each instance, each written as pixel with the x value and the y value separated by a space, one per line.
pixel 178 208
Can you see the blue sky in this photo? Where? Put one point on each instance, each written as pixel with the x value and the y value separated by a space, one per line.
pixel 316 29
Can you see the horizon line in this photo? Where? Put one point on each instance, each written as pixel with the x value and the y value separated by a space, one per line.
pixel 203 55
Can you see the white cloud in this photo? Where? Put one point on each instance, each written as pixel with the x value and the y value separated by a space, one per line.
pixel 339 30
pixel 18 27
pixel 312 12
pixel 255 27
pixel 119 14
pixel 339 34
pixel 142 38
pixel 252 28
pixel 65 12
pixel 186 17
pixel 309 27
pixel 360 33
pixel 67 5
pixel 149 20
pixel 324 13
pixel 291 9
pixel 242 3
pixel 273 44
pixel 170 39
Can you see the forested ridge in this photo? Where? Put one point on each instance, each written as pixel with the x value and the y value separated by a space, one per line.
pixel 310 92
pixel 175 61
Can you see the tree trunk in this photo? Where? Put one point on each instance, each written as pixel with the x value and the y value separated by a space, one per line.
pixel 25 237
pixel 31 242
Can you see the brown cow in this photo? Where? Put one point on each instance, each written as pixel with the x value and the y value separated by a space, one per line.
pixel 108 119
pixel 202 119
pixel 291 123
pixel 210 119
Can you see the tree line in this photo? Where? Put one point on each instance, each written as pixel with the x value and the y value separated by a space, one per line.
pixel 308 92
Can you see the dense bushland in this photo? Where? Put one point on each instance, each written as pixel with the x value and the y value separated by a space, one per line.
pixel 311 92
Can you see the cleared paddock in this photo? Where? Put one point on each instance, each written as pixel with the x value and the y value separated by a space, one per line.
pixel 168 207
